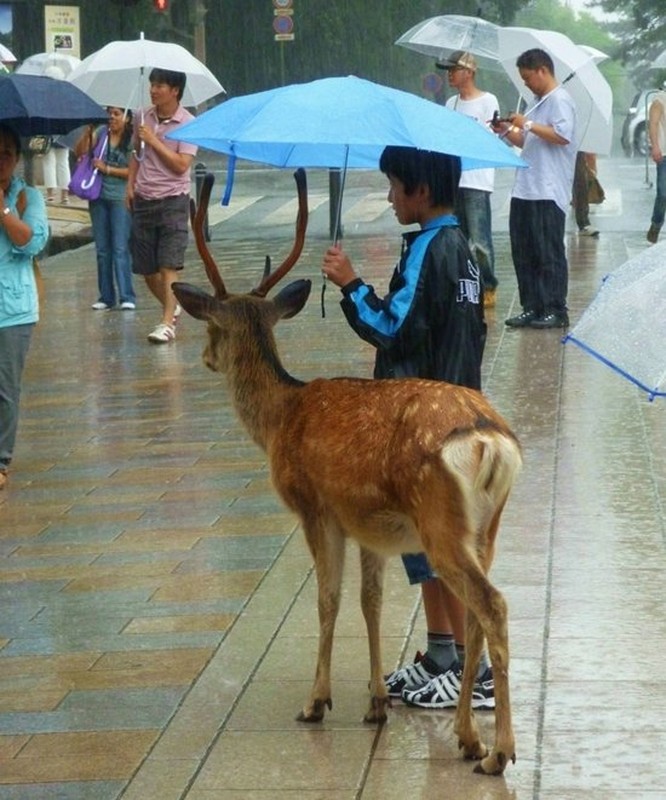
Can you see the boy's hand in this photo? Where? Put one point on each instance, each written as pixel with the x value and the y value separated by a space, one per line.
pixel 337 267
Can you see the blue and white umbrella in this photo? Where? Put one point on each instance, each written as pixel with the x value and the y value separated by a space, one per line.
pixel 624 327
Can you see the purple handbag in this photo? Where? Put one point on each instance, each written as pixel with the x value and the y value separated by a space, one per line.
pixel 86 181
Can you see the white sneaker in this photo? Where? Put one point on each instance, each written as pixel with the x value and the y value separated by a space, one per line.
pixel 100 306
pixel 176 315
pixel 127 306
pixel 588 230
pixel 162 334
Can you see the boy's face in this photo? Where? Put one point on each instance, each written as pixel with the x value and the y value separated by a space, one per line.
pixel 407 207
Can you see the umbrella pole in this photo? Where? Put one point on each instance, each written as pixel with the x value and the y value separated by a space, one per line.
pixel 336 233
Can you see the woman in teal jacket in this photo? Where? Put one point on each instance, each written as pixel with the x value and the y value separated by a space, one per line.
pixel 24 231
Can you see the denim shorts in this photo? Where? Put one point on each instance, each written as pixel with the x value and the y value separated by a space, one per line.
pixel 417 567
pixel 159 233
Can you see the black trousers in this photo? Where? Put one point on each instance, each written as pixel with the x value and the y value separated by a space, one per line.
pixel 536 228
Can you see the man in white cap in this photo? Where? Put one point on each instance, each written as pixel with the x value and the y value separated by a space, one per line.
pixel 476 185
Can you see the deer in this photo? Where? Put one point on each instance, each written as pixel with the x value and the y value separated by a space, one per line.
pixel 404 465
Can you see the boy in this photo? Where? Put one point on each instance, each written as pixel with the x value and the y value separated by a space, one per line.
pixel 429 325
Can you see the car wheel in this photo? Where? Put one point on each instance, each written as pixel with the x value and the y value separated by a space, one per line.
pixel 640 141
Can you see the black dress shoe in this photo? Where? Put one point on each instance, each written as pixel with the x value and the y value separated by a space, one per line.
pixel 550 321
pixel 522 320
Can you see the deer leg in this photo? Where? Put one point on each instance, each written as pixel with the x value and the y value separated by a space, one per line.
pixel 372 586
pixel 488 611
pixel 328 549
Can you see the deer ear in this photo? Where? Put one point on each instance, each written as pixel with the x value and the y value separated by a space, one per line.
pixel 290 300
pixel 195 301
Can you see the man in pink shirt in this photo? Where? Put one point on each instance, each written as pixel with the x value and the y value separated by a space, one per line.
pixel 158 194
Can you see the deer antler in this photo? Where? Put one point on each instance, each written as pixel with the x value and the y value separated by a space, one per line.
pixel 198 219
pixel 271 278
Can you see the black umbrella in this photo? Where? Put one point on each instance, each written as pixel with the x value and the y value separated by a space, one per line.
pixel 35 105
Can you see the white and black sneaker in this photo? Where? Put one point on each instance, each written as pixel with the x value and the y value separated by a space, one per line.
pixel 443 691
pixel 411 676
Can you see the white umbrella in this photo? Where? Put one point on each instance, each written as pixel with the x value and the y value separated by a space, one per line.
pixel 625 325
pixel 438 37
pixel 6 55
pixel 576 71
pixel 596 55
pixel 117 75
pixel 39 63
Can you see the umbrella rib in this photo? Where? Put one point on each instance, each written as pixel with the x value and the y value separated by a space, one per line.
pixel 652 392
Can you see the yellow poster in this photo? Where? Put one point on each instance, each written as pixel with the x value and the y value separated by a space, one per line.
pixel 62 30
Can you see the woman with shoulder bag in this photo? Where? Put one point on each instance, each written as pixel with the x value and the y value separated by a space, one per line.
pixel 109 214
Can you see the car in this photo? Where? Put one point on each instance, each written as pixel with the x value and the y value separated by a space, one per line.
pixel 634 128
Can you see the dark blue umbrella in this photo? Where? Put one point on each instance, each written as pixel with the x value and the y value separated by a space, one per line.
pixel 35 105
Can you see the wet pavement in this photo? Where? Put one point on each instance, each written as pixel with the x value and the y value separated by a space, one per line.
pixel 158 625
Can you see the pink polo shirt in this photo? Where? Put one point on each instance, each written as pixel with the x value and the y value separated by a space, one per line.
pixel 154 180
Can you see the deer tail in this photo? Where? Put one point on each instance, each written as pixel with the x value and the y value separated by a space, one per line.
pixel 485 464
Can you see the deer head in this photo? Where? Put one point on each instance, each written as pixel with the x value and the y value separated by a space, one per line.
pixel 220 308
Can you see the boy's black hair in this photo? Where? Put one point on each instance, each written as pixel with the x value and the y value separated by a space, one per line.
pixel 438 171
pixel 7 132
pixel 171 78
pixel 535 59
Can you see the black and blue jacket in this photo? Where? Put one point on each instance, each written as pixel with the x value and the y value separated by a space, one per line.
pixel 430 324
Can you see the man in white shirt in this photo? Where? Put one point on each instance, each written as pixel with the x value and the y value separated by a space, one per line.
pixel 476 185
pixel 541 194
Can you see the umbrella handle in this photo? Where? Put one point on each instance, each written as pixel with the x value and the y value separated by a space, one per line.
pixel 86 184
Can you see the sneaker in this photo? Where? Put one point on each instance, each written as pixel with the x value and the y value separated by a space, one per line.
pixel 653 234
pixel 521 320
pixel 588 230
pixel 489 298
pixel 176 315
pixel 127 306
pixel 162 334
pixel 551 321
pixel 100 306
pixel 443 691
pixel 411 676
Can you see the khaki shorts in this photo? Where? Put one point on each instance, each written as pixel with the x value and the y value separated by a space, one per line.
pixel 159 234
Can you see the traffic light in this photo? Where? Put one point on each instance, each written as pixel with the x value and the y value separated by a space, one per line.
pixel 161 5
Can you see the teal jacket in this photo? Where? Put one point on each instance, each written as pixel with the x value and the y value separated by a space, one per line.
pixel 19 304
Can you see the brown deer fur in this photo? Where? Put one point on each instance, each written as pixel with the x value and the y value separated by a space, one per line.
pixel 398 465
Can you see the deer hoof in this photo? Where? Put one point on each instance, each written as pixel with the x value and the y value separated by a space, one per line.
pixel 494 764
pixel 377 711
pixel 473 751
pixel 316 712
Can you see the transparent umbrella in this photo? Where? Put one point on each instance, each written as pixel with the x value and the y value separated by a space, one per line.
pixel 625 325
pixel 438 37
pixel 40 63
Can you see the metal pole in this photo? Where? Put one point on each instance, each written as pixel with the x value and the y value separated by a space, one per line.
pixel 334 197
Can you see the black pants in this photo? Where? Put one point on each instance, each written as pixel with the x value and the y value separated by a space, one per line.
pixel 536 228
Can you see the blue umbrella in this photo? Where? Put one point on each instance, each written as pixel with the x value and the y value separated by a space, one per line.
pixel 35 105
pixel 339 123
pixel 331 121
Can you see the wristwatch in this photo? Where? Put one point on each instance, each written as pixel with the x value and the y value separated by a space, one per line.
pixel 527 125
